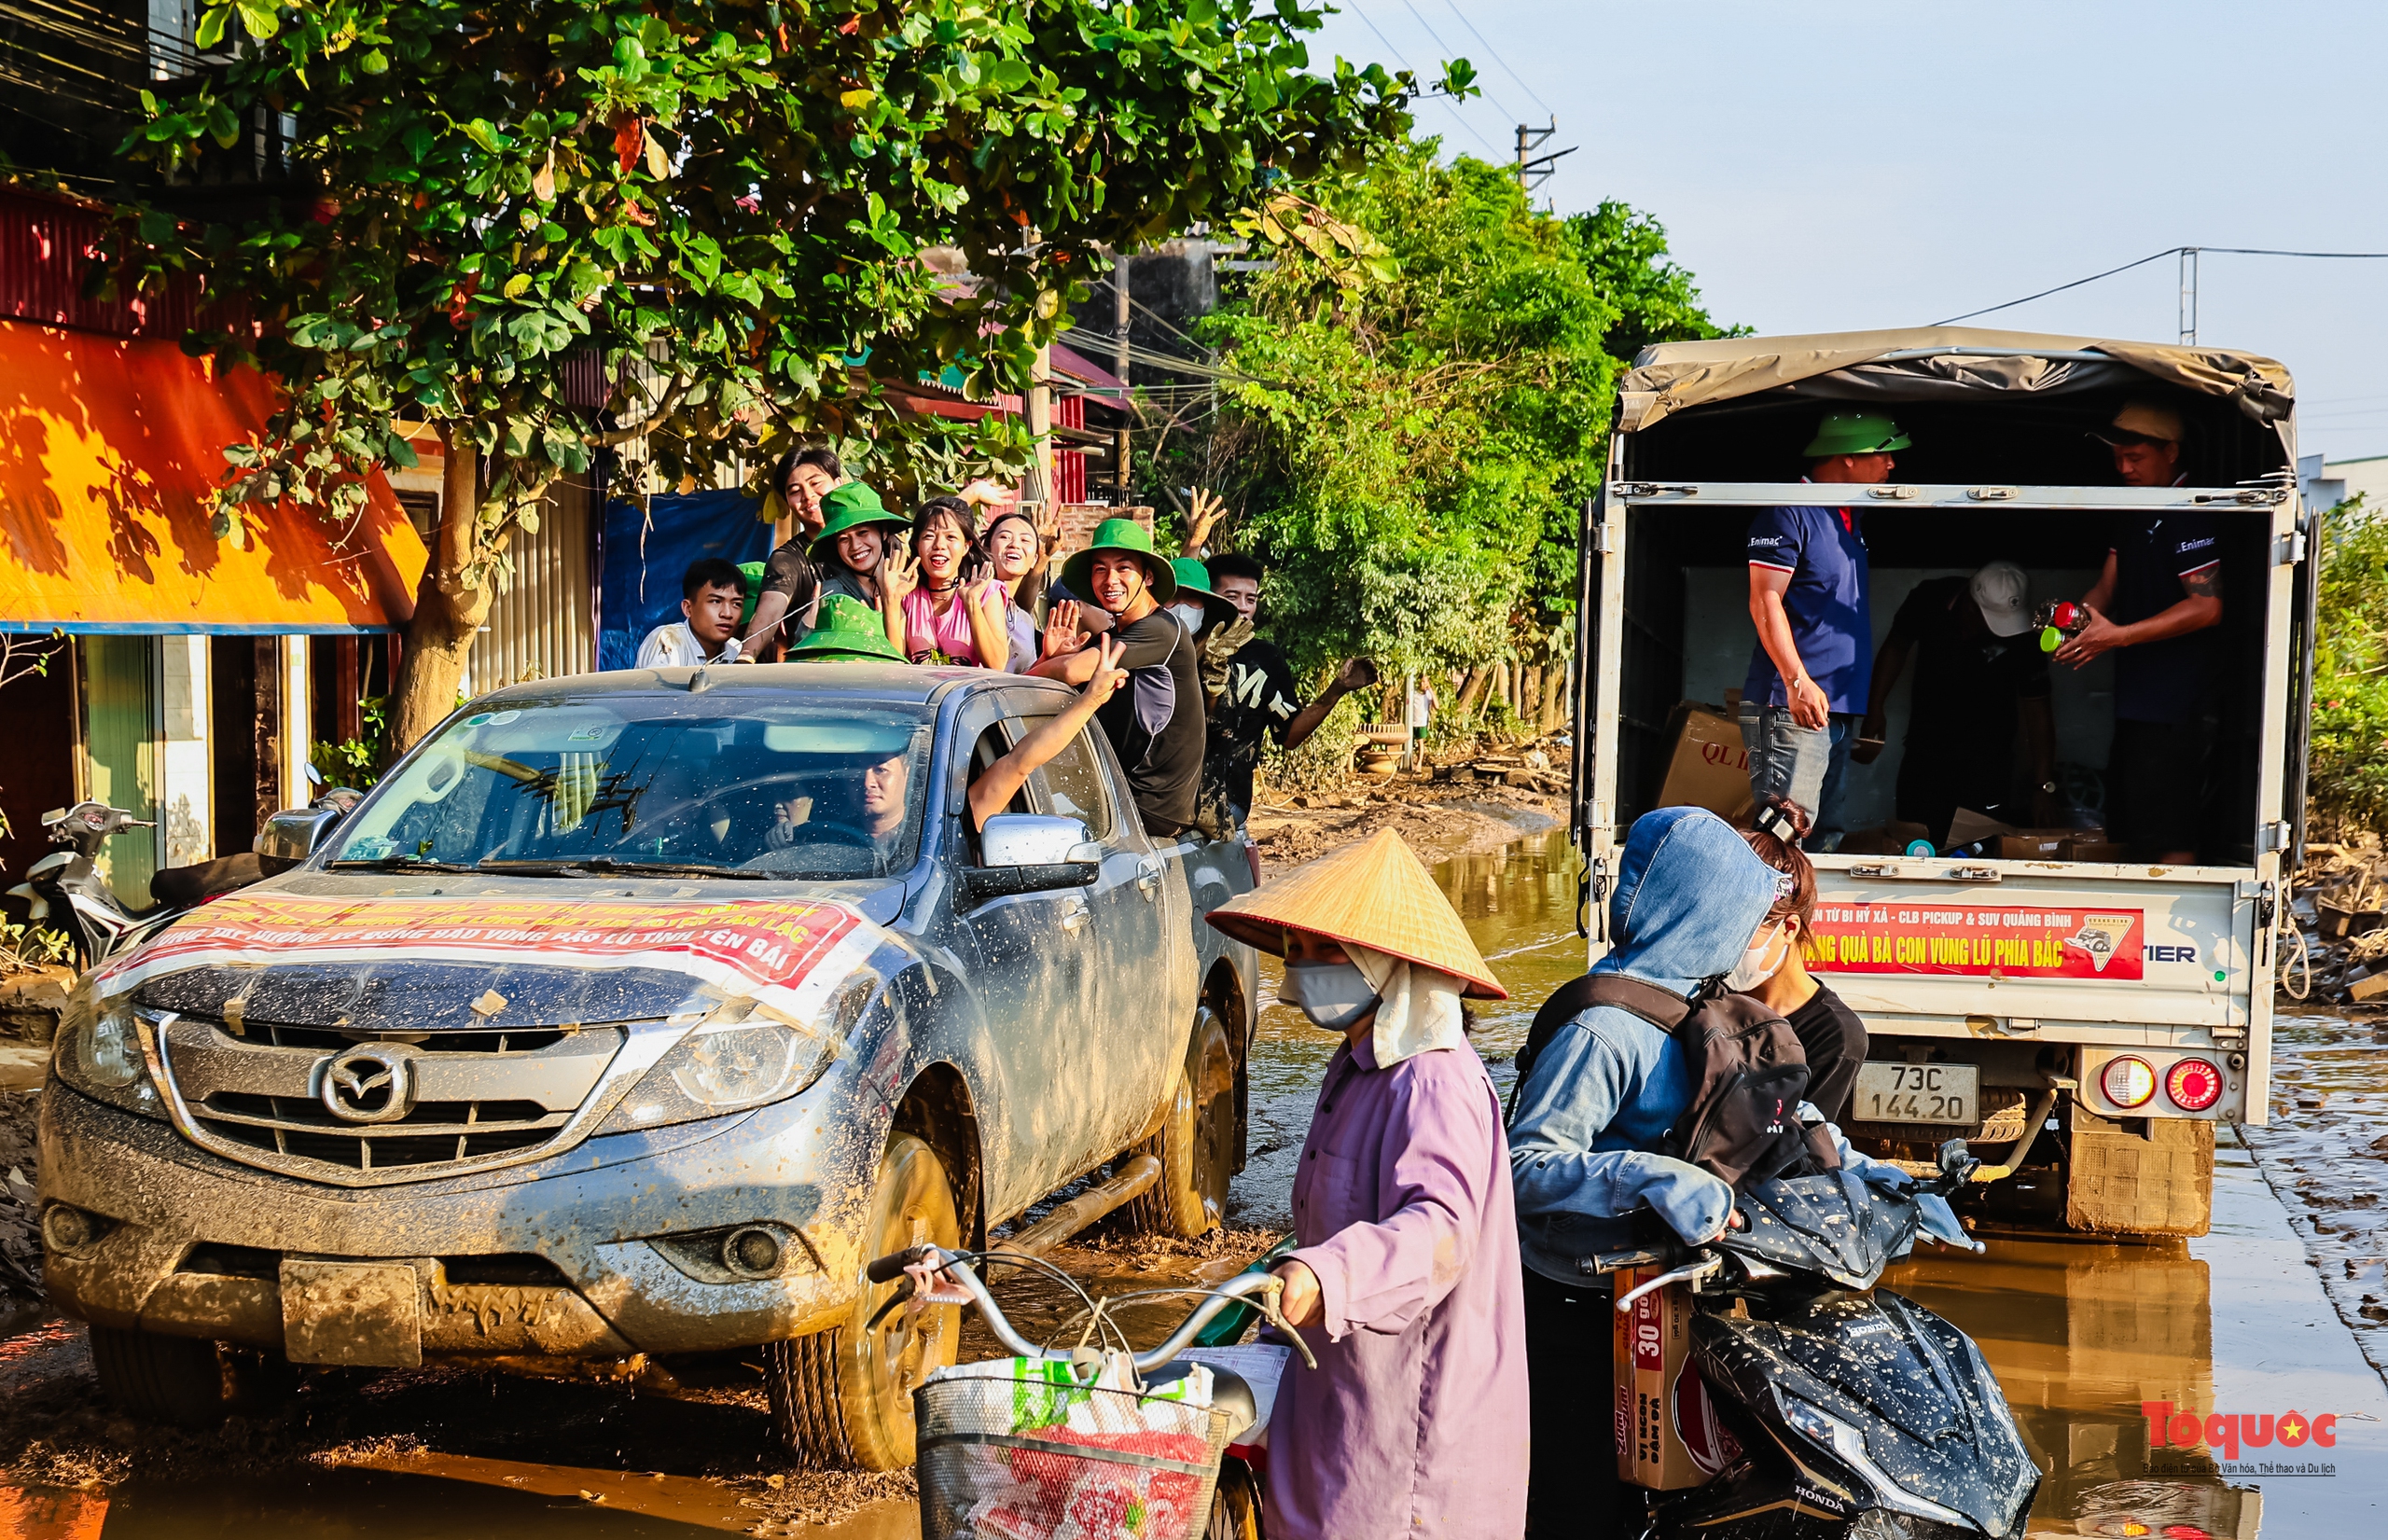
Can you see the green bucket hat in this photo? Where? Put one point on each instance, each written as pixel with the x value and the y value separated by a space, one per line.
pixel 851 507
pixel 1120 535
pixel 1194 578
pixel 753 571
pixel 850 631
pixel 1854 432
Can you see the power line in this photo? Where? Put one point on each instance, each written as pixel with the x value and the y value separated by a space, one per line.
pixel 2156 257
pixel 1498 60
pixel 1450 53
pixel 1412 69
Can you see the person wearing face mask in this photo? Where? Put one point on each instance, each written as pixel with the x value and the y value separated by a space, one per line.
pixel 1405 1281
pixel 1593 1105
pixel 1831 1034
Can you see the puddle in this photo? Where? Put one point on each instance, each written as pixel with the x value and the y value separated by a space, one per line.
pixel 2080 1335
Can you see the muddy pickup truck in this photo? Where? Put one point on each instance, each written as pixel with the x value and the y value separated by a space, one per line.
pixel 621 1024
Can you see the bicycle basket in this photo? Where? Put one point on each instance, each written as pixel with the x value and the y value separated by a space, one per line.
pixel 1013 1460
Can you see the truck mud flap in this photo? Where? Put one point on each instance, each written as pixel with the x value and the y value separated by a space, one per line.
pixel 2140 1176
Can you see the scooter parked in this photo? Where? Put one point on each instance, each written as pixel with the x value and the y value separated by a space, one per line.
pixel 1841 1411
pixel 66 890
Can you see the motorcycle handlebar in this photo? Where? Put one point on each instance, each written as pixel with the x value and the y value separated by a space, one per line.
pixel 1666 1254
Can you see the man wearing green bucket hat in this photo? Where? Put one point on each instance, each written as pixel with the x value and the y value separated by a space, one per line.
pixel 1810 598
pixel 1156 724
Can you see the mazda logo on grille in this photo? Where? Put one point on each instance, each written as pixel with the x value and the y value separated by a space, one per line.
pixel 368 1083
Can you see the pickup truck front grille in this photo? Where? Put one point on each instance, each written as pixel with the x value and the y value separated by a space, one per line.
pixel 472 1097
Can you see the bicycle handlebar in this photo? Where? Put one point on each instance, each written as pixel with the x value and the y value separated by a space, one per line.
pixel 956 1266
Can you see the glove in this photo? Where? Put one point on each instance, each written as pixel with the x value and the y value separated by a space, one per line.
pixel 1222 644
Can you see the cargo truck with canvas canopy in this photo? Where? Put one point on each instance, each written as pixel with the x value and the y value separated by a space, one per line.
pixel 2081 1018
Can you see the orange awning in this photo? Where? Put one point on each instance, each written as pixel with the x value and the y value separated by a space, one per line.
pixel 110 454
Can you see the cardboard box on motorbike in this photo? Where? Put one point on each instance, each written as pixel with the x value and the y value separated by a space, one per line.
pixel 1667 1435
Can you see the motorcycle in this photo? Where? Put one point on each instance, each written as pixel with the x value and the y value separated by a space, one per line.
pixel 65 888
pixel 1841 1411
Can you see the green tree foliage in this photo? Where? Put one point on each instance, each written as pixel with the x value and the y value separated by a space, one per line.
pixel 1656 300
pixel 2349 767
pixel 1424 402
pixel 723 205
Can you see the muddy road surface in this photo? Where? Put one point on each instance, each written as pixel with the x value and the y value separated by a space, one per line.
pixel 2282 1311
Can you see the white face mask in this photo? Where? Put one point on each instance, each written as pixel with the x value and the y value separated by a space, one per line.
pixel 1753 969
pixel 1333 995
pixel 1189 615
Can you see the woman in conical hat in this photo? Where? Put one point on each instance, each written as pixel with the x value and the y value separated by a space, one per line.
pixel 1414 1422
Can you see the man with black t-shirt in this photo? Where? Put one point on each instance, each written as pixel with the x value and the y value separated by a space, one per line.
pixel 1260 696
pixel 1979 676
pixel 1155 725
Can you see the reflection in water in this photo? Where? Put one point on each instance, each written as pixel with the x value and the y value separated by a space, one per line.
pixel 2080 1336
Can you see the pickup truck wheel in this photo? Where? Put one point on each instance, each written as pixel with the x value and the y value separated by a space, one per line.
pixel 843 1400
pixel 181 1381
pixel 1196 1143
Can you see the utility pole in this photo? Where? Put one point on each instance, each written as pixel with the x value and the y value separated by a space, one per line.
pixel 1119 368
pixel 1533 170
pixel 2189 297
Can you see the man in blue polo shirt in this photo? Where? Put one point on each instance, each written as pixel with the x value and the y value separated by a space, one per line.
pixel 1809 601
pixel 2154 607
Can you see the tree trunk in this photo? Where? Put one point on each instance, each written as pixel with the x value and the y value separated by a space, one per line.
pixel 1554 697
pixel 1530 698
pixel 448 611
pixel 1465 703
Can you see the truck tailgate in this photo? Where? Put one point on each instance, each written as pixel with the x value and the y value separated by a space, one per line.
pixel 2138 952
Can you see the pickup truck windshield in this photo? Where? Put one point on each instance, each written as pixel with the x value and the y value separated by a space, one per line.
pixel 726 780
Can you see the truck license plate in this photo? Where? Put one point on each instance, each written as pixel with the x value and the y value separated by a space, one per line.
pixel 1917 1093
pixel 351 1312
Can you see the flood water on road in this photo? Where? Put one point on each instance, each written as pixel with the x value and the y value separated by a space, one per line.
pixel 2079 1333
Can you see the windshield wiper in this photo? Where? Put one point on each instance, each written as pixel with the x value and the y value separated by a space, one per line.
pixel 605 865
pixel 395 863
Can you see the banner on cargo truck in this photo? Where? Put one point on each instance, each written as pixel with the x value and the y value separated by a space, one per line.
pixel 1978 941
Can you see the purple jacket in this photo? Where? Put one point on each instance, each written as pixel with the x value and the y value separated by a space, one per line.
pixel 1414 1423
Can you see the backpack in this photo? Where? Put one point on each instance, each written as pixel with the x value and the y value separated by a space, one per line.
pixel 1749 1075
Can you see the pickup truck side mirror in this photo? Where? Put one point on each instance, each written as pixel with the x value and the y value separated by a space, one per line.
pixel 1032 853
pixel 293 834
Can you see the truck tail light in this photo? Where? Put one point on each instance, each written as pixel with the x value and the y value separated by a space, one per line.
pixel 2127 1081
pixel 2194 1085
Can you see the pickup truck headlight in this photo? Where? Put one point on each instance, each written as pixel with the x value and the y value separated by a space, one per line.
pixel 99 1054
pixel 735 1059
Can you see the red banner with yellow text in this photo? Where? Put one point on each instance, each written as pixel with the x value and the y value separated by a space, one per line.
pixel 1977 940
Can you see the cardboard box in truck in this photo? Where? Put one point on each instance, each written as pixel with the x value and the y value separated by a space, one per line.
pixel 1707 767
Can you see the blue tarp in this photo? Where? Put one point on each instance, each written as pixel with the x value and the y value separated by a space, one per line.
pixel 646 553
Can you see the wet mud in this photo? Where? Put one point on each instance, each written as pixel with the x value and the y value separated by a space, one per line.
pixel 2252 1319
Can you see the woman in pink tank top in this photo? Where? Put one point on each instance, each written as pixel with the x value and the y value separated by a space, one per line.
pixel 953 611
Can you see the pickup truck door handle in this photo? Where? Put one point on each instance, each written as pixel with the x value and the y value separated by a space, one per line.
pixel 1075 915
pixel 1148 876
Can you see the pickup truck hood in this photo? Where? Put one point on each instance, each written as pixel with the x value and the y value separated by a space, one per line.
pixel 430 963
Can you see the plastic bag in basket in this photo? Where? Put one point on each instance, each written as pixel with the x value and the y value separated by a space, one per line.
pixel 1058 1496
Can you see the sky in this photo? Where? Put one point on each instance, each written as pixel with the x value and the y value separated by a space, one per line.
pixel 1836 165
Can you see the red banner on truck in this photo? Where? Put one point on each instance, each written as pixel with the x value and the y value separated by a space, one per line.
pixel 1983 942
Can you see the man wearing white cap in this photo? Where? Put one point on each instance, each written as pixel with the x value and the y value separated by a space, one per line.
pixel 1979 676
pixel 2154 607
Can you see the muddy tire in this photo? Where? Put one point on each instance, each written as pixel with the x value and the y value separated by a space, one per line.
pixel 843 1400
pixel 1196 1143
pixel 179 1380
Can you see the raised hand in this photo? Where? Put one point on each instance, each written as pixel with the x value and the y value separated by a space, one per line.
pixel 1108 674
pixel 1048 527
pixel 899 572
pixel 1208 507
pixel 1358 673
pixel 1062 630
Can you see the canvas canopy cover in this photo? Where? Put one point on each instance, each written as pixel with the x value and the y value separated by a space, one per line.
pixel 1927 363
